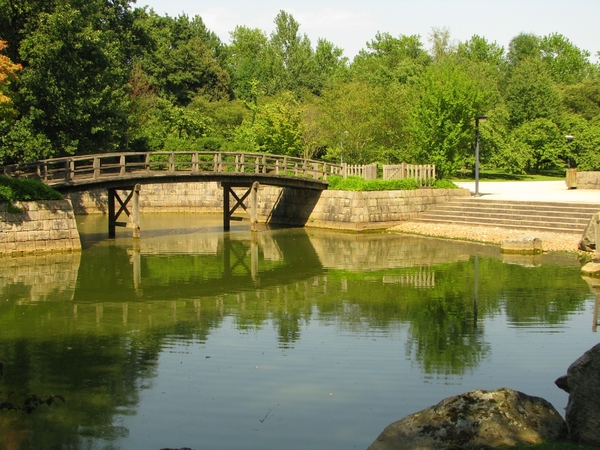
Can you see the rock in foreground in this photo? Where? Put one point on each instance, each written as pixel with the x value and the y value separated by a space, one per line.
pixel 476 419
pixel 582 382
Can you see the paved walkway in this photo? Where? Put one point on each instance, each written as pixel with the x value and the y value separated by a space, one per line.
pixel 538 191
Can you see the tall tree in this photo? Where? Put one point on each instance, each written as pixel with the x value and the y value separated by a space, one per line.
pixel 247 61
pixel 290 58
pixel 530 93
pixel 185 59
pixel 443 116
pixel 524 46
pixel 478 49
pixel 567 63
pixel 73 87
pixel 8 75
pixel 388 59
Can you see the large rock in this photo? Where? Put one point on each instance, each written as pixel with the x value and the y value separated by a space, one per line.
pixel 476 419
pixel 582 382
pixel 588 239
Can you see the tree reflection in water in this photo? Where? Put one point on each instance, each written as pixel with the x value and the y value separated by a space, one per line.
pixel 94 326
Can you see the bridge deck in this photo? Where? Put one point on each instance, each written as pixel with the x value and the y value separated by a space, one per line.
pixel 112 170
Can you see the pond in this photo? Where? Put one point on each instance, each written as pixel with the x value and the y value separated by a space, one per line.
pixel 285 338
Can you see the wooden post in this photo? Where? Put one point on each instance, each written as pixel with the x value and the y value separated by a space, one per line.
pixel 254 206
pixel 134 217
pixel 195 162
pixel 96 165
pixel 135 213
pixel 226 219
pixel 111 213
pixel 597 258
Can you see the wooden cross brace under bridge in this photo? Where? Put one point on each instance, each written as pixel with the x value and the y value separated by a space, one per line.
pixel 118 206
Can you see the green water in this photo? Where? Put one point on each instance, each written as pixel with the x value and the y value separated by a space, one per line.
pixel 288 338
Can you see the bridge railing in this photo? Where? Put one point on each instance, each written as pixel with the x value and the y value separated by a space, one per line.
pixel 116 165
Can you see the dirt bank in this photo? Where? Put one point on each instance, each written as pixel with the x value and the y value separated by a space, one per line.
pixel 551 241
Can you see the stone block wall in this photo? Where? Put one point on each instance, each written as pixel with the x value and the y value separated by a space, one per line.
pixel 284 206
pixel 352 210
pixel 163 197
pixel 42 226
pixel 588 180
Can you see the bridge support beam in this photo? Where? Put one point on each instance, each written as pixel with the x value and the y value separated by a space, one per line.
pixel 134 215
pixel 228 211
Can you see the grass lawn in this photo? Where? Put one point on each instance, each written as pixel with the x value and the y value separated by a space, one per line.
pixel 496 175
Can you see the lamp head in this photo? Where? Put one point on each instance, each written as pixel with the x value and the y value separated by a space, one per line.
pixel 480 119
pixel 569 138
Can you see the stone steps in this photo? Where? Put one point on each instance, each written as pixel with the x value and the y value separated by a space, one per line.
pixel 547 216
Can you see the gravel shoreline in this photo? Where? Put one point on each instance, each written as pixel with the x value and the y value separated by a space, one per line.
pixel 551 241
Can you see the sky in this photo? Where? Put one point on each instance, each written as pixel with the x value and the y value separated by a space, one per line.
pixel 350 24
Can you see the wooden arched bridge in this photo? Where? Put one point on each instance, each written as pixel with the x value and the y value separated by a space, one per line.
pixel 127 171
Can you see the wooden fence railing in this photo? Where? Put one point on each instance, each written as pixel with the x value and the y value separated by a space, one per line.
pixel 366 171
pixel 424 174
pixel 114 165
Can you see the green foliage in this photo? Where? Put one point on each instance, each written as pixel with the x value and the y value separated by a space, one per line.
pixel 567 63
pixel 337 183
pixel 290 63
pixel 584 98
pixel 540 145
pixel 23 190
pixel 582 152
pixel 183 59
pixel 478 49
pixel 359 120
pixel 444 184
pixel 72 92
pixel 531 94
pixel 275 128
pixel 522 47
pixel 100 77
pixel 388 59
pixel 442 121
pixel 247 60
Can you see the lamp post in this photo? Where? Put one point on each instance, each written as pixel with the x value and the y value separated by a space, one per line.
pixel 477 120
pixel 569 139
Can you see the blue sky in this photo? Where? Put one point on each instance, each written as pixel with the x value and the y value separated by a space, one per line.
pixel 349 24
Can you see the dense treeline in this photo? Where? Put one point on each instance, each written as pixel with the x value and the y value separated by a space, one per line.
pixel 88 76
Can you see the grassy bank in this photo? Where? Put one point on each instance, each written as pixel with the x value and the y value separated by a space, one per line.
pixel 337 183
pixel 23 190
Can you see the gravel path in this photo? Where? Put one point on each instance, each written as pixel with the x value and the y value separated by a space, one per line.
pixel 551 241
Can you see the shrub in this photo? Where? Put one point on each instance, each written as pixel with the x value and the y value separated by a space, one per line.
pixel 24 190
pixel 338 183
pixel 444 184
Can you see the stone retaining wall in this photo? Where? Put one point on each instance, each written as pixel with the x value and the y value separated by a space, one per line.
pixel 42 226
pixel 298 207
pixel 588 180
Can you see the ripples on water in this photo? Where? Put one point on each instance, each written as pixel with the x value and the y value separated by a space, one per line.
pixel 294 338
